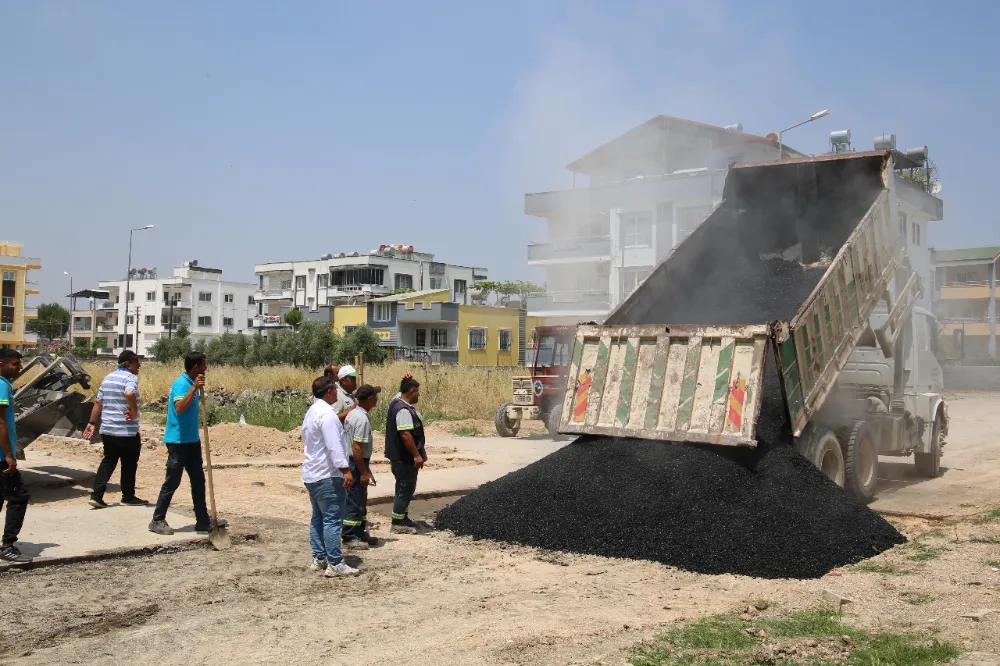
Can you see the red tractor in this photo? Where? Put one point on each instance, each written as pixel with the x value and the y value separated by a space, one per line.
pixel 540 396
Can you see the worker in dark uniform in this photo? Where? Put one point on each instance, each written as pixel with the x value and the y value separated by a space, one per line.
pixel 404 447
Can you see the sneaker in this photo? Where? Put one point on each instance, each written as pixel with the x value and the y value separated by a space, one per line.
pixel 342 569
pixel 207 527
pixel 12 554
pixel 318 564
pixel 403 528
pixel 160 527
pixel 355 544
pixel 98 503
pixel 134 501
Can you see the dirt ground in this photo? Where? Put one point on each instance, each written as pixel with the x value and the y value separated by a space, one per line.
pixel 438 599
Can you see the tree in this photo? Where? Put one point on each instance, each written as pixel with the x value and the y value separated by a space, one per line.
pixel 52 322
pixel 503 291
pixel 293 318
pixel 362 340
pixel 170 349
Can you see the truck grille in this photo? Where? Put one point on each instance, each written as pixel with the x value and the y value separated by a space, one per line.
pixel 523 393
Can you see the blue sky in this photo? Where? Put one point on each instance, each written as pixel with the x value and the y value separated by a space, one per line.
pixel 265 131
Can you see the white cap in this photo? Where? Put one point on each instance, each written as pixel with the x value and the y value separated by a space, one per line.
pixel 346 371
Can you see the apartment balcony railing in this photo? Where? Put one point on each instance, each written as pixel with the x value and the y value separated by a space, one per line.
pixel 432 354
pixel 179 304
pixel 108 305
pixel 273 294
pixel 269 321
pixel 570 301
pixel 30 312
pixel 30 337
pixel 570 249
pixel 968 283
pixel 107 327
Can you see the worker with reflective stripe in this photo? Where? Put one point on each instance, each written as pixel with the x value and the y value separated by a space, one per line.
pixel 358 428
pixel 12 492
pixel 347 383
pixel 404 447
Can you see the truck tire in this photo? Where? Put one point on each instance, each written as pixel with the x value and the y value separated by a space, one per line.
pixel 821 447
pixel 506 427
pixel 861 462
pixel 552 422
pixel 929 464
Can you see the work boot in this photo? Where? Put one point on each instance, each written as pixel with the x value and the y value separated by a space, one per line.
pixel 207 527
pixel 405 526
pixel 98 503
pixel 160 527
pixel 12 554
pixel 342 569
pixel 134 501
pixel 318 564
pixel 355 544
pixel 370 540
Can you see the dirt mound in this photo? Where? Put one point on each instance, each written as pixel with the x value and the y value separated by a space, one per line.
pixel 770 515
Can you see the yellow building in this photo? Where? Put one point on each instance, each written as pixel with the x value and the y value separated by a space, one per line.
pixel 966 280
pixel 14 289
pixel 428 324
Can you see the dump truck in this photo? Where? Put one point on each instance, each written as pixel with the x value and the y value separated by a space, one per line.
pixel 788 316
pixel 539 395
pixel 47 404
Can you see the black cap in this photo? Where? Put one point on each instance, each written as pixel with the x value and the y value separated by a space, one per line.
pixel 366 391
pixel 126 357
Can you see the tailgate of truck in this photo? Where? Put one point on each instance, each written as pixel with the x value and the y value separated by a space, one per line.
pixel 674 383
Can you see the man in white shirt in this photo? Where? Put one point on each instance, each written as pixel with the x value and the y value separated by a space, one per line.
pixel 327 476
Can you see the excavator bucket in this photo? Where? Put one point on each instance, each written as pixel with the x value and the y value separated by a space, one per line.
pixel 45 405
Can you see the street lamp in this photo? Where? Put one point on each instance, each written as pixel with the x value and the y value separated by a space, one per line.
pixel 72 305
pixel 815 116
pixel 128 282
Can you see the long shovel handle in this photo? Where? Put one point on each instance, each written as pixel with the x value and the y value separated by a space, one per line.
pixel 208 458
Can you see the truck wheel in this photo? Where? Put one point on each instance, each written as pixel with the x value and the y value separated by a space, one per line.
pixel 861 462
pixel 822 448
pixel 552 422
pixel 506 427
pixel 929 464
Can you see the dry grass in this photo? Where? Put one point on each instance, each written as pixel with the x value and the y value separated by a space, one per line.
pixel 453 392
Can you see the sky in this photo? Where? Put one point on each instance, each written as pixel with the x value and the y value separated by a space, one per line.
pixel 249 131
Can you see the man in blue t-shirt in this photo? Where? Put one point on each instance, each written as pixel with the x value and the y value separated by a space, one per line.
pixel 184 446
pixel 12 491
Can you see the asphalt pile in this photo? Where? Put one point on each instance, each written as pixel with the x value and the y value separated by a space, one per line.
pixel 768 514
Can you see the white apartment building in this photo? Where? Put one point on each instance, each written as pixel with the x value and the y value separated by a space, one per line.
pixel 648 190
pixel 314 286
pixel 195 296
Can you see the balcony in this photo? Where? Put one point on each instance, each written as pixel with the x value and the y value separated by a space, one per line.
pixel 273 295
pixel 105 326
pixel 179 304
pixel 434 355
pixel 30 313
pixel 570 249
pixel 107 305
pixel 31 286
pixel 269 321
pixel 964 290
pixel 30 338
pixel 591 302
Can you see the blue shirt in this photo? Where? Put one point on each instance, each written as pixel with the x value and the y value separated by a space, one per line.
pixel 114 405
pixel 7 400
pixel 182 428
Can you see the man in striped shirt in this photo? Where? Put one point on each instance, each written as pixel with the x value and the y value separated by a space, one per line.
pixel 117 410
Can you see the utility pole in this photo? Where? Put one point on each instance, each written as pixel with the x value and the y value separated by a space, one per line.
pixel 128 281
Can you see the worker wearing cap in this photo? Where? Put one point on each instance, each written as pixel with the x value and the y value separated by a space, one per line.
pixel 404 447
pixel 347 379
pixel 117 411
pixel 358 428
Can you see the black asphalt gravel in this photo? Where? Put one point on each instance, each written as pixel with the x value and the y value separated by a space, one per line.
pixel 709 510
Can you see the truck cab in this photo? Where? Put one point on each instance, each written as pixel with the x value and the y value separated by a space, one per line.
pixel 539 395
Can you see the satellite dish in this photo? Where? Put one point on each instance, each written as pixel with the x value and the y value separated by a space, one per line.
pixel 936 188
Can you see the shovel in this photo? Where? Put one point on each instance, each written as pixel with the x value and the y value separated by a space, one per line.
pixel 218 537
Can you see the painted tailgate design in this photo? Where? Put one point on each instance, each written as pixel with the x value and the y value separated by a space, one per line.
pixel 676 383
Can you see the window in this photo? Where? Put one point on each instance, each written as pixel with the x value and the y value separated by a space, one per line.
pixel 131 296
pixel 227 322
pixel 229 298
pixel 404 281
pixel 421 337
pixel 459 289
pixel 356 277
pixel 916 233
pixel 311 304
pixel 439 338
pixel 205 321
pixel 902 225
pixel 688 220
pixel 205 296
pixel 6 327
pixel 349 329
pixel 8 276
pixel 286 284
pixel 477 338
pixel 8 301
pixel 632 277
pixel 637 230
pixel 437 283
pixel 323 280
pixel 552 353
pixel 383 312
pixel 151 296
pixel 150 320
pixel 504 338
pixel 131 320
pixel 300 281
pixel 249 323
pixel 250 300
